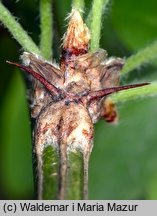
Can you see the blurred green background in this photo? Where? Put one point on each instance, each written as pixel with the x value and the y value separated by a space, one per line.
pixel 123 163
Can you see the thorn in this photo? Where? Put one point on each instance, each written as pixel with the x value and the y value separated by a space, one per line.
pixel 102 93
pixel 37 76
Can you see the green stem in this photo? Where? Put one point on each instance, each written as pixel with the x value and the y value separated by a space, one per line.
pixel 97 10
pixel 75 176
pixel 17 31
pixel 50 178
pixel 135 93
pixel 78 4
pixel 50 173
pixel 46 28
pixel 143 56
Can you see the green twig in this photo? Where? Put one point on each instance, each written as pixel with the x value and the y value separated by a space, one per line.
pixel 97 10
pixel 50 173
pixel 143 56
pixel 46 28
pixel 78 4
pixel 17 31
pixel 135 93
pixel 52 184
pixel 75 176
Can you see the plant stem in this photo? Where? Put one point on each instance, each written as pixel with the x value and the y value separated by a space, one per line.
pixel 50 173
pixel 78 4
pixel 97 10
pixel 143 56
pixel 49 179
pixel 135 93
pixel 75 176
pixel 17 31
pixel 46 22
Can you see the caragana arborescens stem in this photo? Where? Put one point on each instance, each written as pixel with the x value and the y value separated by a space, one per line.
pixel 64 111
pixel 63 131
pixel 76 179
pixel 64 122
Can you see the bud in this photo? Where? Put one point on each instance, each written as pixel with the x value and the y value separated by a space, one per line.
pixel 76 39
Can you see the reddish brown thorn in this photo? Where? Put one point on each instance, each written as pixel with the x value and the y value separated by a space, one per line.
pixel 37 76
pixel 102 93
